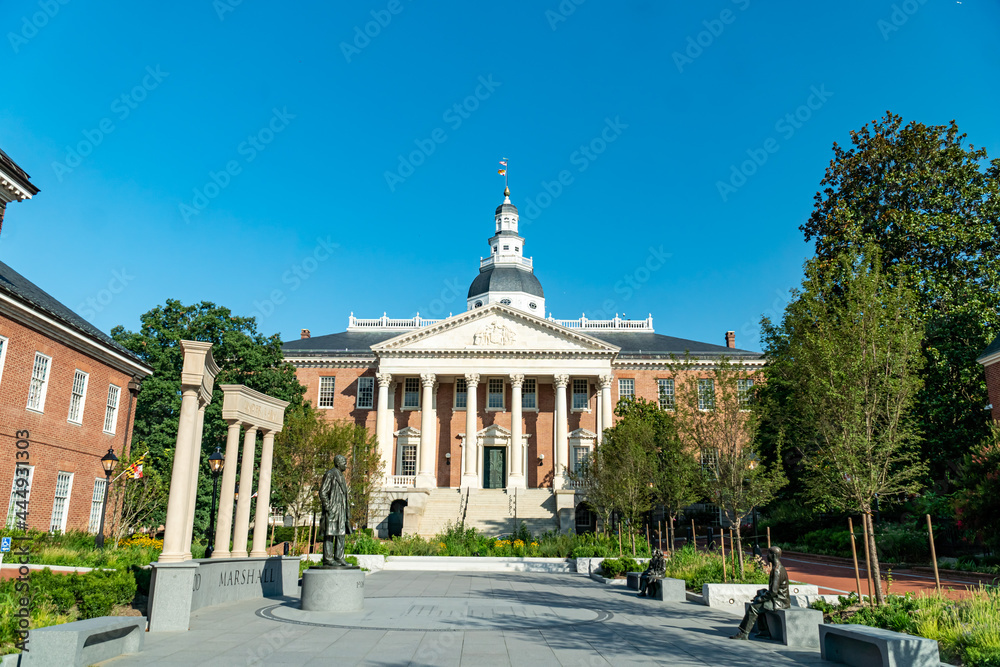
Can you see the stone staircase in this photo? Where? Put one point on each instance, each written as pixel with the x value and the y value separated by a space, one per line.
pixel 443 507
pixel 490 511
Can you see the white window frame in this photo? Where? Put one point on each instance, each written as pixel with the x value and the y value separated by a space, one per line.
pixel 111 413
pixel 97 505
pixel 414 393
pixel 744 391
pixel 39 390
pixel 11 512
pixel 584 404
pixel 61 509
pixel 706 394
pixel 461 390
pixel 529 398
pixel 326 392
pixel 4 341
pixel 581 454
pixel 490 384
pixel 81 396
pixel 624 383
pixel 363 382
pixel 665 388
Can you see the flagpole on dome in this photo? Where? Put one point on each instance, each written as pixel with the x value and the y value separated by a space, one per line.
pixel 503 172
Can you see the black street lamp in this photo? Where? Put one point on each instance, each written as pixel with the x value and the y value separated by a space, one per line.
pixel 215 462
pixel 108 461
pixel 753 463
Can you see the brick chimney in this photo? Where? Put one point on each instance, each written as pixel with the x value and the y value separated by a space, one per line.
pixel 305 334
pixel 731 339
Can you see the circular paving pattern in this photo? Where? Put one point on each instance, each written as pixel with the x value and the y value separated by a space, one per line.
pixel 429 614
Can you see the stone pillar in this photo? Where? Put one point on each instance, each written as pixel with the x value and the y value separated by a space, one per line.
pixel 241 527
pixel 607 407
pixel 426 469
pixel 383 422
pixel 516 478
pixel 259 548
pixel 562 430
pixel 224 522
pixel 195 469
pixel 180 480
pixel 470 453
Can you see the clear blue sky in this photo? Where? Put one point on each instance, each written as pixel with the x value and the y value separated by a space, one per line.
pixel 199 79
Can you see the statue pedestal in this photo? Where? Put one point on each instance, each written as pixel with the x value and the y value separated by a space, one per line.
pixel 334 589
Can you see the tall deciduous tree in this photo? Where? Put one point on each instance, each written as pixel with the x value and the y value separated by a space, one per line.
pixel 931 202
pixel 244 356
pixel 717 416
pixel 849 346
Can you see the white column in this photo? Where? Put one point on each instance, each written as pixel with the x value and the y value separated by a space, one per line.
pixel 195 469
pixel 607 407
pixel 470 475
pixel 241 527
pixel 224 525
pixel 174 529
pixel 562 430
pixel 426 470
pixel 260 524
pixel 516 478
pixel 383 422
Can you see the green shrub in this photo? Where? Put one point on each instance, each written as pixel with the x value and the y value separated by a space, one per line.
pixel 902 544
pixel 616 567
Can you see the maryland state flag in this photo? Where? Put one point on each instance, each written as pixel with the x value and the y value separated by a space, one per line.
pixel 502 172
pixel 135 470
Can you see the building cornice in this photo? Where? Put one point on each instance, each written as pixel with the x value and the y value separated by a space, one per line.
pixel 681 365
pixel 321 361
pixel 990 359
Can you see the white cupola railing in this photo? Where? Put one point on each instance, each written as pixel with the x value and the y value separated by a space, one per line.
pixel 386 323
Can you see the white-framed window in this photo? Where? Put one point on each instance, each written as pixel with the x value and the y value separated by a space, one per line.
pixel 326 391
pixel 64 484
pixel 529 394
pixel 581 394
pixel 111 414
pixel 744 389
pixel 494 397
pixel 706 394
pixel 366 393
pixel 39 382
pixel 626 388
pixel 3 354
pixel 77 397
pixel 408 460
pixel 666 394
pixel 709 457
pixel 411 393
pixel 96 505
pixel 20 496
pixel 461 394
pixel 580 457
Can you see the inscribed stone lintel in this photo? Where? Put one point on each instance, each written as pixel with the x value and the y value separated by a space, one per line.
pixel 252 407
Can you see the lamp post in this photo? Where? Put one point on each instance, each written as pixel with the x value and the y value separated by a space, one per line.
pixel 215 462
pixel 108 461
pixel 753 463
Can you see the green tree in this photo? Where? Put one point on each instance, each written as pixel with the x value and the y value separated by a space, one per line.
pixel 849 345
pixel 929 200
pixel 628 453
pixel 244 356
pixel 978 504
pixel 718 417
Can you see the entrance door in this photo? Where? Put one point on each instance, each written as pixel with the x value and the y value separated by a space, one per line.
pixel 494 467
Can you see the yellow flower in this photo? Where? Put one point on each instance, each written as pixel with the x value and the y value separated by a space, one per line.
pixel 442 545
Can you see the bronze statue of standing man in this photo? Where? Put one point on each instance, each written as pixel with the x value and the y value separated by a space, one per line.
pixel 335 499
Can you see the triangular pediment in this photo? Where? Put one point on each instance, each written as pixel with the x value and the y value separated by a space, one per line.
pixel 409 431
pixel 582 434
pixel 495 328
pixel 494 430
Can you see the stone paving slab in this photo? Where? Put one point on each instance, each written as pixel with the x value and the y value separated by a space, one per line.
pixel 468 618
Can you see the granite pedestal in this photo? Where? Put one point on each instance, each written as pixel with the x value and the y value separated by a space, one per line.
pixel 333 589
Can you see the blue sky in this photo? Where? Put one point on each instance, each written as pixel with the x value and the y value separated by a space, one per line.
pixel 277 160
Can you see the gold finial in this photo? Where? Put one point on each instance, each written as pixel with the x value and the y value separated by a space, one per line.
pixel 506 191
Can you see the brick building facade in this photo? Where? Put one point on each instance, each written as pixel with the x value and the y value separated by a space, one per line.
pixel 990 359
pixel 496 401
pixel 64 401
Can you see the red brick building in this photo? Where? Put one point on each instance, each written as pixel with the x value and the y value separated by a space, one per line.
pixel 481 416
pixel 990 359
pixel 65 398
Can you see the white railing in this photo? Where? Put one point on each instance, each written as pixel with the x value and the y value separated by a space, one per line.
pixel 582 324
pixel 402 480
pixel 500 259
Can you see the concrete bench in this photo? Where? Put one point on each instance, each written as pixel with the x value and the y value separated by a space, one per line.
pixel 796 626
pixel 860 646
pixel 83 643
pixel 632 580
pixel 671 590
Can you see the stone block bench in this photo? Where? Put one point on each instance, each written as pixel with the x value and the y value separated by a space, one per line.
pixel 796 626
pixel 83 643
pixel 860 646
pixel 731 597
pixel 671 590
pixel 632 580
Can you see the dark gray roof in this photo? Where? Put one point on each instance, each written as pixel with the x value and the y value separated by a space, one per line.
pixel 506 208
pixel 13 169
pixel 505 279
pixel 22 289
pixel 992 349
pixel 638 344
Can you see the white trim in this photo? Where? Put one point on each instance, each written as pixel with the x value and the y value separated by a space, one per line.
pixel 988 361
pixel 333 392
pixel 111 411
pixel 96 505
pixel 43 388
pixel 83 397
pixel 65 508
pixel 357 399
pixel 4 342
pixel 503 394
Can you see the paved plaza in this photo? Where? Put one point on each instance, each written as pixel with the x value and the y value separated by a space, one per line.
pixel 468 618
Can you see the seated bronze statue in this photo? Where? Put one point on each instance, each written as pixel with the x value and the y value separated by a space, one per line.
pixel 649 582
pixel 775 596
